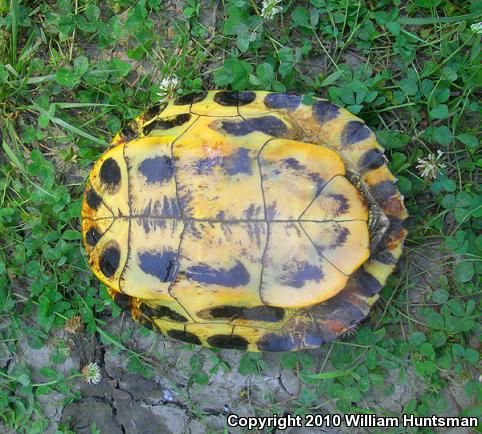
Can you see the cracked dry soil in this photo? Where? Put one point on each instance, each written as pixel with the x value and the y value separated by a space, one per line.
pixel 123 402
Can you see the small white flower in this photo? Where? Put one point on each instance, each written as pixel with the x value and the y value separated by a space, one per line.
pixel 476 28
pixel 270 9
pixel 430 167
pixel 168 86
pixel 91 373
pixel 167 395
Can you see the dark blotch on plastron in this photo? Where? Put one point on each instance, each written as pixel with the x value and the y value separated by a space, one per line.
pixel 297 273
pixel 167 123
pixel 157 169
pixel 109 261
pixel 232 278
pixel 258 313
pixel 162 312
pixel 343 206
pixel 154 111
pixel 92 236
pixel 93 199
pixel 372 159
pixel 184 336
pixel 161 265
pixel 273 342
pixel 269 125
pixel 324 111
pixel 228 98
pixel 231 342
pixel 110 173
pixel 383 191
pixel 282 101
pixel 341 236
pixel 123 301
pixel 354 132
pixel 238 162
pixel 367 284
pixel 294 164
pixel 190 98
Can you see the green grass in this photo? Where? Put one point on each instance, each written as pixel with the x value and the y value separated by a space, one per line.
pixel 71 73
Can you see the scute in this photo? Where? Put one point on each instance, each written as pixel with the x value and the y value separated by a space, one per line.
pixel 244 220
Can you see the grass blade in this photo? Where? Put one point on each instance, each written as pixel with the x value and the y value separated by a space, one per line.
pixel 13 41
pixel 444 20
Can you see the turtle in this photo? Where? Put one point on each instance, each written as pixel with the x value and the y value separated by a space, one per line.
pixel 250 220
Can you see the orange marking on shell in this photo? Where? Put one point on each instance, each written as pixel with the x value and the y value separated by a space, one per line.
pixel 335 326
pixel 394 207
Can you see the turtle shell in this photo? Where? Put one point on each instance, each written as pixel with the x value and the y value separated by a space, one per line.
pixel 246 220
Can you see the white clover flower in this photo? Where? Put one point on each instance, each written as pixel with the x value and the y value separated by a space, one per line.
pixel 476 28
pixel 91 373
pixel 270 9
pixel 430 167
pixel 168 86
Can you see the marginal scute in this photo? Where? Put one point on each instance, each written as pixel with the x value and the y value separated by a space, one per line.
pixel 233 342
pixel 184 336
pixel 275 343
pixel 154 111
pixel 383 191
pixel 93 199
pixel 92 236
pixel 385 257
pixel 228 98
pixel 282 101
pixel 109 260
pixel 371 159
pixel 367 284
pixel 129 132
pixel 166 123
pixel 190 98
pixel 162 312
pixel 110 174
pixel 257 313
pixel 324 111
pixel 354 132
